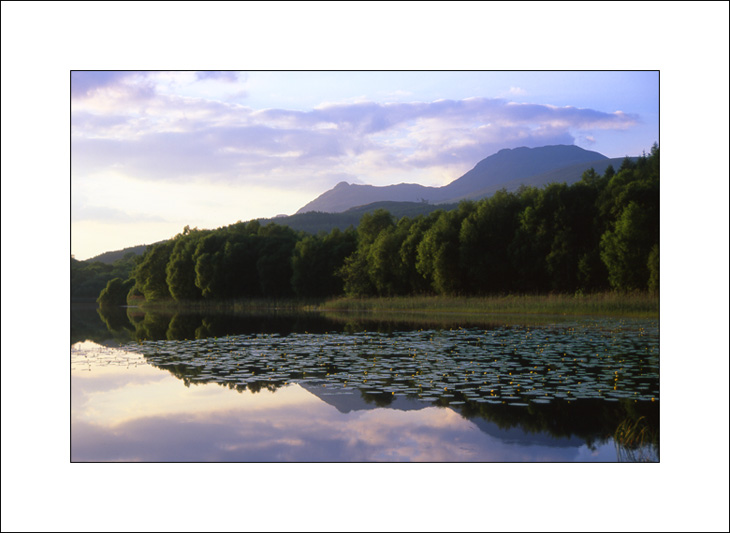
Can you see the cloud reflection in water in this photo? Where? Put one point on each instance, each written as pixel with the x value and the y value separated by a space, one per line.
pixel 143 414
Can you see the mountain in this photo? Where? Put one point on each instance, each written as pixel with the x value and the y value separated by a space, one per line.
pixel 346 402
pixel 506 168
pixel 316 221
pixel 346 195
pixel 569 175
pixel 110 257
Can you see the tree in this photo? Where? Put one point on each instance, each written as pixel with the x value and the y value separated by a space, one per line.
pixel 653 266
pixel 316 260
pixel 150 274
pixel 115 293
pixel 208 258
pixel 181 267
pixel 356 270
pixel 484 239
pixel 438 253
pixel 625 249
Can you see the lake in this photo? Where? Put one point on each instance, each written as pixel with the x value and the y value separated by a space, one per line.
pixel 310 387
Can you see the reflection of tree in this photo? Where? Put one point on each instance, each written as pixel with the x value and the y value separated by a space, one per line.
pixel 592 420
pixel 88 324
pixel 383 399
pixel 116 322
pixel 182 326
pixel 114 318
pixel 261 362
pixel 588 419
pixel 153 326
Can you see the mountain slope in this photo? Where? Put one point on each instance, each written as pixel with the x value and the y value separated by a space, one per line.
pixel 505 167
pixel 314 221
pixel 110 257
pixel 568 175
pixel 518 164
pixel 345 195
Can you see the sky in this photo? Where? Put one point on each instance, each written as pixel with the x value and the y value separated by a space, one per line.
pixel 154 151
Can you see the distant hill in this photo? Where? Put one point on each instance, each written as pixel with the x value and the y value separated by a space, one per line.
pixel 345 204
pixel 110 257
pixel 569 175
pixel 314 221
pixel 508 168
pixel 346 195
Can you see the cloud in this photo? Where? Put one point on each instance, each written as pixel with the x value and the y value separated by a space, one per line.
pixel 220 75
pixel 83 83
pixel 130 84
pixel 84 212
pixel 131 121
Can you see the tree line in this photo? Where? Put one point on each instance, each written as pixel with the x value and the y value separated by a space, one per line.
pixel 601 233
pixel 89 278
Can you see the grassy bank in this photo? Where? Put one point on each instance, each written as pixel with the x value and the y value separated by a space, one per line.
pixel 638 305
pixel 634 305
pixel 234 306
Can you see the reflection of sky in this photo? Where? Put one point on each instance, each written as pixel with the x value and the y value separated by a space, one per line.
pixel 139 413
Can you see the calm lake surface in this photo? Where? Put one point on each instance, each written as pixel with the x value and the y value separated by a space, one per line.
pixel 306 387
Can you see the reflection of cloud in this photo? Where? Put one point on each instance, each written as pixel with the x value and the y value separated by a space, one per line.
pixel 300 432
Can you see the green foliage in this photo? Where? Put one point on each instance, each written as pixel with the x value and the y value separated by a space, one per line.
pixel 316 261
pixel 180 269
pixel 208 259
pixel 601 232
pixel 484 244
pixel 358 269
pixel 115 293
pixel 653 266
pixel 88 278
pixel 438 253
pixel 274 262
pixel 150 274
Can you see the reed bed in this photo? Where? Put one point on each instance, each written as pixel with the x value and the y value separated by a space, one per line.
pixel 615 304
pixel 638 305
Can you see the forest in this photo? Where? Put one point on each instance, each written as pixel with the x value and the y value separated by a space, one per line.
pixel 599 234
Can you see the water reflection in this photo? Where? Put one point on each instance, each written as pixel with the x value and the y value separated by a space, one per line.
pixel 368 396
pixel 122 325
pixel 560 383
pixel 136 413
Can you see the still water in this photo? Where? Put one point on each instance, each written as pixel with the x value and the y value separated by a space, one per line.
pixel 191 387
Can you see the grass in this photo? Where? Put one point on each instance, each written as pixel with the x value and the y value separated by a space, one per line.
pixel 636 441
pixel 235 306
pixel 633 305
pixel 612 304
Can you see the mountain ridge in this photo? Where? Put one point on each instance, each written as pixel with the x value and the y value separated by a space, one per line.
pixel 503 167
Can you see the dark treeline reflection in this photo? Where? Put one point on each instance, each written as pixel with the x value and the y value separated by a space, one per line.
pixel 119 324
pixel 130 324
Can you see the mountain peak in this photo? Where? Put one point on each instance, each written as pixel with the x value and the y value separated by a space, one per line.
pixel 508 167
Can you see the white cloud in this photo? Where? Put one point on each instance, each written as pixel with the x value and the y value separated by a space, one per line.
pixel 177 147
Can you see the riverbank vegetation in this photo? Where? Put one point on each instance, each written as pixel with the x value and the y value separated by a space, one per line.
pixel 638 304
pixel 589 247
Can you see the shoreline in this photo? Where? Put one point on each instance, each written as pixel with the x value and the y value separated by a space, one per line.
pixel 609 304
